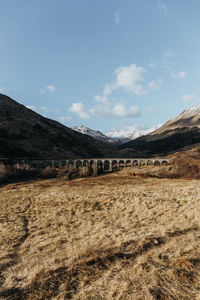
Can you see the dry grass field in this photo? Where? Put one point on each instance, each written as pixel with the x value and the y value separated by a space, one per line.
pixel 117 236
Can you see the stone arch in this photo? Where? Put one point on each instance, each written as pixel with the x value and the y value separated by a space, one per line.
pixel 33 164
pixel 99 162
pixel 143 163
pixel 128 163
pixel 115 164
pixel 156 163
pixel 164 163
pixel 149 163
pixel 99 166
pixel 78 163
pixel 63 163
pixel 93 165
pixel 135 163
pixel 121 163
pixel 85 163
pixel 42 164
pixel 48 163
pixel 106 165
pixel 71 163
pixel 92 162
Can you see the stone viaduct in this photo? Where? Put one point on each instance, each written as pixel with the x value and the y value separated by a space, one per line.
pixel 104 163
pixel 110 163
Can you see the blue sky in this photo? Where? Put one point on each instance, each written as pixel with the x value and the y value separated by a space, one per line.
pixel 107 64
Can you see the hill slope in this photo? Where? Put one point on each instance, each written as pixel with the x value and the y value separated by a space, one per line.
pixel 188 118
pixel 24 133
pixel 182 131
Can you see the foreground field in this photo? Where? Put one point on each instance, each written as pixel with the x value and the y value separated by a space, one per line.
pixel 113 237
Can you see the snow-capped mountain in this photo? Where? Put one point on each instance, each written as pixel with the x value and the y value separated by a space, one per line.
pixel 131 132
pixel 116 136
pixel 188 118
pixel 98 135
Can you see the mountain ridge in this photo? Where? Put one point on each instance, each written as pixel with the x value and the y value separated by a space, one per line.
pixel 188 118
pixel 25 133
pixel 176 134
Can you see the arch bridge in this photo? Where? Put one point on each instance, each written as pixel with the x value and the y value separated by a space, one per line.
pixel 112 163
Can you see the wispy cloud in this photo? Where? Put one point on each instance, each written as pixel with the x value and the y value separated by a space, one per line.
pixel 79 109
pixel 155 84
pixel 162 7
pixel 64 119
pixel 131 79
pixel 170 53
pixel 151 65
pixel 116 111
pixel 128 78
pixel 49 88
pixel 178 75
pixel 189 97
pixel 118 17
pixel 2 89
pixel 43 109
pixel 42 91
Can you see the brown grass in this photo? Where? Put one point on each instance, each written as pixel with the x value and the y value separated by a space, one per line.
pixel 183 165
pixel 117 236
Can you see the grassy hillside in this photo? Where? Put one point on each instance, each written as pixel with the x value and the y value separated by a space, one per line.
pixel 118 236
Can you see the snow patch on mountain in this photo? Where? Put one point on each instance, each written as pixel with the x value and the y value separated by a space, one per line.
pixel 190 111
pixel 94 133
pixel 131 132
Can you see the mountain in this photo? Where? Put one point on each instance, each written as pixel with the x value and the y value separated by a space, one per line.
pixel 177 134
pixel 26 134
pixel 131 132
pixel 98 135
pixel 188 118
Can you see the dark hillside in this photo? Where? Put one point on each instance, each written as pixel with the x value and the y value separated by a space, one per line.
pixel 164 143
pixel 26 134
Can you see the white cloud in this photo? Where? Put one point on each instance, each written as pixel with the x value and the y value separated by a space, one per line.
pixel 43 109
pixel 120 111
pixel 151 65
pixel 170 53
pixel 116 111
pixel 189 97
pixel 118 17
pixel 162 7
pixel 79 109
pixel 131 79
pixel 132 132
pixel 32 107
pixel 51 88
pixel 65 119
pixel 2 89
pixel 128 78
pixel 178 75
pixel 155 84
